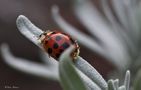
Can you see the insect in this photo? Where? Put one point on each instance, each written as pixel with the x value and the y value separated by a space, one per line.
pixel 55 43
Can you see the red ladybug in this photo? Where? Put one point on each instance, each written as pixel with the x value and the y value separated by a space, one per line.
pixel 55 43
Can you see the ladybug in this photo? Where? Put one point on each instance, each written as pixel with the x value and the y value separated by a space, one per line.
pixel 55 43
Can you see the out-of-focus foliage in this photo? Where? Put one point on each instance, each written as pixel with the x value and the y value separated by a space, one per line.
pixel 137 82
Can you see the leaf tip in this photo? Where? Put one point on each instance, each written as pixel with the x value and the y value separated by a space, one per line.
pixel 55 9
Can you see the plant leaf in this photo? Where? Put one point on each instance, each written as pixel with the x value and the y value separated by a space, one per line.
pixel 49 61
pixel 119 8
pixel 111 85
pixel 127 80
pixel 69 78
pixel 137 82
pixel 29 67
pixel 91 72
pixel 81 37
pixel 120 56
pixel 116 84
pixel 122 87
pixel 88 82
pixel 28 29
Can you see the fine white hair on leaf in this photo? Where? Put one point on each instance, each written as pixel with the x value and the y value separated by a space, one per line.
pixel 28 29
pixel 63 60
pixel 117 52
pixel 91 72
pixel 27 66
pixel 91 85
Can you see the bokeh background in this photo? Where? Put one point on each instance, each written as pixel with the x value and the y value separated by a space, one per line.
pixel 39 12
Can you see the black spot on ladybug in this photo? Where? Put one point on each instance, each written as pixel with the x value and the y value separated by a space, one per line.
pixel 55 46
pixel 49 50
pixel 65 45
pixel 61 50
pixel 57 55
pixel 46 41
pixel 58 38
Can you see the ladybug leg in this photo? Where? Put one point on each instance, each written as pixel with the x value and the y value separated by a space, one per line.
pixel 46 32
pixel 75 53
pixel 41 39
pixel 42 36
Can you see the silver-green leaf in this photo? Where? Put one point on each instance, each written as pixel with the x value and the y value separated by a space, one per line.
pixel 111 85
pixel 69 78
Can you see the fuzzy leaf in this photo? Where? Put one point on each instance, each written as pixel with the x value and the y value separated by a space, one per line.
pixel 116 84
pixel 70 79
pixel 91 72
pixel 122 87
pixel 81 37
pixel 111 85
pixel 28 29
pixel 85 78
pixel 120 54
pixel 49 61
pixel 28 66
pixel 127 80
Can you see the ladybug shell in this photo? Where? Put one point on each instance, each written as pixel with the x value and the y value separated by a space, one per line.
pixel 55 43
